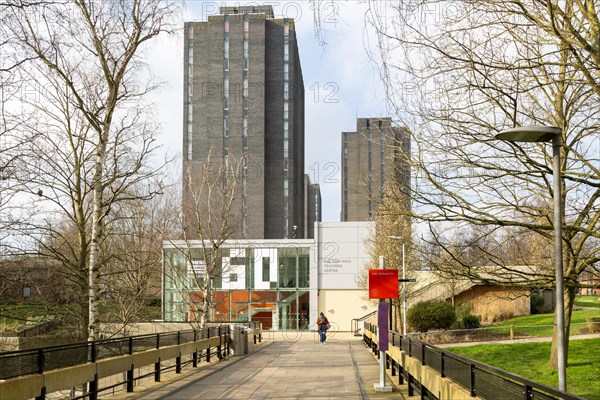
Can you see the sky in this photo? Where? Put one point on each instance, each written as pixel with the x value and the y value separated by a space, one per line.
pixel 341 82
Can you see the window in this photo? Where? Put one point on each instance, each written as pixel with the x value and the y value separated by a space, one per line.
pixel 237 261
pixel 233 277
pixel 266 272
pixel 26 292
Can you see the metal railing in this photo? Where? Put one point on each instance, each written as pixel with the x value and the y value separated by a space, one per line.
pixel 497 333
pixel 355 323
pixel 477 378
pixel 37 361
pixel 214 340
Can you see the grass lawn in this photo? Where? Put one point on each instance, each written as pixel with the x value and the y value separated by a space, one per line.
pixel 588 301
pixel 530 360
pixel 542 324
pixel 17 314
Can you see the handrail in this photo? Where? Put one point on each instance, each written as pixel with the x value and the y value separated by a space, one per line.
pixel 466 372
pixel 38 360
pixel 354 324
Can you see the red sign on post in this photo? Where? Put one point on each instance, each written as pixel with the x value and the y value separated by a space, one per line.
pixel 383 283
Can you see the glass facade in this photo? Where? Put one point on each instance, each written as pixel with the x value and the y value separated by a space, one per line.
pixel 269 284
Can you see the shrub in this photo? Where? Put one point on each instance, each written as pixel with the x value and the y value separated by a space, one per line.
pixel 470 322
pixel 537 304
pixel 463 309
pixel 427 315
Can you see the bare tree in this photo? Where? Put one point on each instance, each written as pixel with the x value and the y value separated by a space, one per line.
pixel 392 234
pixel 92 51
pixel 210 218
pixel 458 72
pixel 131 277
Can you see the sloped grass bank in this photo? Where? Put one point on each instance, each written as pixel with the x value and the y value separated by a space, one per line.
pixel 531 360
pixel 542 324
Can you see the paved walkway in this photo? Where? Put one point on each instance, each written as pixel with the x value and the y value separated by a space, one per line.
pixel 284 366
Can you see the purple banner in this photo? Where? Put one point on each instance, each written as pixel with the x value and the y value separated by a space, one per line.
pixel 382 325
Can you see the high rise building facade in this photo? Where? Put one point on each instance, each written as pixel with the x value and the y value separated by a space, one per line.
pixel 312 204
pixel 373 156
pixel 244 116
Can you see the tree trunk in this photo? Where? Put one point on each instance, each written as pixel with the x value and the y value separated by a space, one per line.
pixel 97 214
pixel 569 301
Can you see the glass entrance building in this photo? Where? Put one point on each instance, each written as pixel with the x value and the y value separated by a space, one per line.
pixel 282 283
pixel 265 281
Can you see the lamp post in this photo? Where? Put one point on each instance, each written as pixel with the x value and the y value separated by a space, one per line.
pixel 547 134
pixel 403 284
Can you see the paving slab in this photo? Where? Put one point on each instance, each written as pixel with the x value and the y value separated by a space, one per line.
pixel 285 366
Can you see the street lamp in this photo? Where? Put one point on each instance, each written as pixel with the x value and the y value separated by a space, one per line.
pixel 547 134
pixel 403 284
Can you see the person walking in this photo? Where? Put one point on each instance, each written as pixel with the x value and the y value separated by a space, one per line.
pixel 323 327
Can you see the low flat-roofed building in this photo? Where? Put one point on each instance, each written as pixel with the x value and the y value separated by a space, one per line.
pixel 283 283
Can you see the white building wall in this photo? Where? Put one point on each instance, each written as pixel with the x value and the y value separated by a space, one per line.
pixel 342 253
pixel 341 258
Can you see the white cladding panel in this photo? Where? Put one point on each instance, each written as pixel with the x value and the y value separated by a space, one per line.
pixel 342 253
pixel 259 254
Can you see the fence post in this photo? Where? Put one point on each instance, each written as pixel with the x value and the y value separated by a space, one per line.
pixel 219 355
pixel 40 369
pixel 400 374
pixel 93 352
pixel 178 364
pixel 42 395
pixel 423 354
pixel 131 368
pixel 93 388
pixel 93 384
pixel 512 332
pixel 157 364
pixel 472 380
pixel 40 361
pixel 157 371
pixel 527 393
pixel 195 354
pixel 442 366
pixel 229 340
